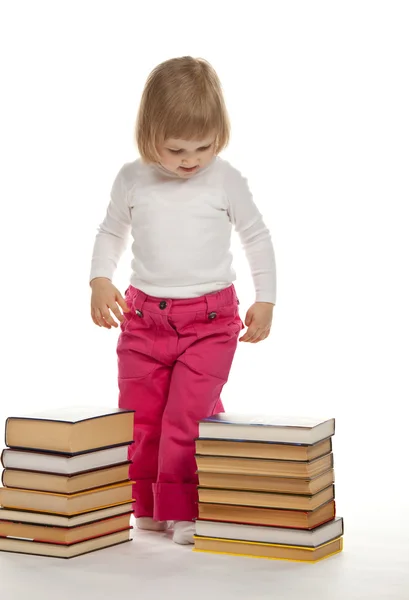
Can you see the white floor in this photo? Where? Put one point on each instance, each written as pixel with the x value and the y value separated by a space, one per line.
pixel 374 565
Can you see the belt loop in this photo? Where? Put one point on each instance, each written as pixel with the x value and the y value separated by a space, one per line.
pixel 212 301
pixel 138 302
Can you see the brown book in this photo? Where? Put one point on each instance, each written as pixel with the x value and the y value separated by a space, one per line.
pixel 263 483
pixel 64 504
pixel 272 551
pixel 46 519
pixel 272 468
pixel 63 550
pixel 71 430
pixel 63 535
pixel 266 499
pixel 248 515
pixel 65 484
pixel 244 449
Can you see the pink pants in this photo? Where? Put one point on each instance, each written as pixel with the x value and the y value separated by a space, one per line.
pixel 174 357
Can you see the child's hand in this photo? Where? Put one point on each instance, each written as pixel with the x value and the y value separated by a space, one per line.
pixel 258 320
pixel 106 297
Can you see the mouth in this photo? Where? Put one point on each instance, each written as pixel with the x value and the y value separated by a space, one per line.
pixel 189 169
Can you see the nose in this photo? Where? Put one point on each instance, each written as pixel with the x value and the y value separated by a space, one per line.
pixel 189 162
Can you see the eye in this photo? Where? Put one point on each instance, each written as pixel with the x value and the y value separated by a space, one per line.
pixel 204 148
pixel 175 151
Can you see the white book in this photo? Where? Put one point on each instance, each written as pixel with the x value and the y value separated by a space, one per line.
pixel 259 428
pixel 64 465
pixel 272 535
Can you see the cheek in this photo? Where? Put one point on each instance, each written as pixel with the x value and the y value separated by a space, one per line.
pixel 208 156
pixel 167 160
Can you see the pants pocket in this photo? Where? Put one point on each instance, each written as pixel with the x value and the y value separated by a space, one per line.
pixel 135 346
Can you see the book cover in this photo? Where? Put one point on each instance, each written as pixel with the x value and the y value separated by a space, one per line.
pixel 267 420
pixel 71 414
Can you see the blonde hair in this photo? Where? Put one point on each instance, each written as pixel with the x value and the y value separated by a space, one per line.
pixel 182 99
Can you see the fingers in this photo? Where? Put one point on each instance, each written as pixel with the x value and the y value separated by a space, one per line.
pixel 99 320
pixel 106 315
pixel 106 303
pixel 122 302
pixel 93 317
pixel 115 309
pixel 253 336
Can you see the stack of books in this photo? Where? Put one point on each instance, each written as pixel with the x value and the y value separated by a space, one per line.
pixel 266 488
pixel 66 484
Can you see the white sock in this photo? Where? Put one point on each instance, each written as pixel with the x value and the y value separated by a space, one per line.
pixel 150 525
pixel 183 532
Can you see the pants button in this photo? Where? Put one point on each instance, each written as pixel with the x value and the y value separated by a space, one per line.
pixel 212 315
pixel 163 305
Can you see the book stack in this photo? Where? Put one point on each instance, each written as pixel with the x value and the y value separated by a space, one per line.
pixel 266 488
pixel 66 486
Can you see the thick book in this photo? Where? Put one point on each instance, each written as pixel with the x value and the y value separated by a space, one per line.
pixel 64 504
pixel 52 520
pixel 264 483
pixel 64 535
pixel 272 551
pixel 71 430
pixel 262 466
pixel 289 430
pixel 45 462
pixel 250 515
pixel 266 499
pixel 271 450
pixel 65 484
pixel 272 535
pixel 63 550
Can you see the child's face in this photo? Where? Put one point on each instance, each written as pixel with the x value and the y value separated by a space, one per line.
pixel 186 157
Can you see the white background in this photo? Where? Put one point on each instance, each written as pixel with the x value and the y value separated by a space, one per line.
pixel 318 96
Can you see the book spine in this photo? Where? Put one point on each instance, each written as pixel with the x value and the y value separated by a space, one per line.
pixel 5 431
pixel 2 458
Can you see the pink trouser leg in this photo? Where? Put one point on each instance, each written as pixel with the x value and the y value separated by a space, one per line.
pixel 147 396
pixel 192 396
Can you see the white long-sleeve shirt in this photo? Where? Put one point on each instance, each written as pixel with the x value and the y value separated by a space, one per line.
pixel 181 230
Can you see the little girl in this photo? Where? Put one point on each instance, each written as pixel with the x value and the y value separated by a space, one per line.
pixel 179 321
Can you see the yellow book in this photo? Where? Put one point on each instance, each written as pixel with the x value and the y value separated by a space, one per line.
pixel 270 551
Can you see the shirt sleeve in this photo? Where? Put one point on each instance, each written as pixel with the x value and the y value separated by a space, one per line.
pixel 254 235
pixel 113 233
